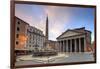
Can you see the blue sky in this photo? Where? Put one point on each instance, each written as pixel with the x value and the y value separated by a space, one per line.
pixel 60 18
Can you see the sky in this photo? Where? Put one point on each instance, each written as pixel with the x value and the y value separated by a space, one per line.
pixel 60 18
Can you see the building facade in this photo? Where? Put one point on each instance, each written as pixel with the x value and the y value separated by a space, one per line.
pixel 27 38
pixel 75 40
pixel 52 45
pixel 36 39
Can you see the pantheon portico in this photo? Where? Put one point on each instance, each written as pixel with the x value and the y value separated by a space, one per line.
pixel 74 40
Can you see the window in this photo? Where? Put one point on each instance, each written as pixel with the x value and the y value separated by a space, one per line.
pixel 18 22
pixel 29 45
pixel 18 29
pixel 17 42
pixel 17 35
pixel 30 35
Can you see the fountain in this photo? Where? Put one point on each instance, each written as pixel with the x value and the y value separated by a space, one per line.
pixel 45 52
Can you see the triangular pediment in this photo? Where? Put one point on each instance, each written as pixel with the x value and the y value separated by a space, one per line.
pixel 69 33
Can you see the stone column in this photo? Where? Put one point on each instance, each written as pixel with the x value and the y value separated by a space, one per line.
pixel 79 45
pixel 60 46
pixel 75 45
pixel 70 45
pixel 63 46
pixel 84 44
pixel 66 45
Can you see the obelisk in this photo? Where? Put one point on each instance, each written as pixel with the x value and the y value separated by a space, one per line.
pixel 46 34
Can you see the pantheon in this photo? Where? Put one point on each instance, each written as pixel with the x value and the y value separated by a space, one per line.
pixel 75 40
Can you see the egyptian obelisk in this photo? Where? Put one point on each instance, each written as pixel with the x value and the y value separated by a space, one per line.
pixel 46 33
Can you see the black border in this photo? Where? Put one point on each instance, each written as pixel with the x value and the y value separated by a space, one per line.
pixel 12 12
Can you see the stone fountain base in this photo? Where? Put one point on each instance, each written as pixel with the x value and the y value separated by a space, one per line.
pixel 44 53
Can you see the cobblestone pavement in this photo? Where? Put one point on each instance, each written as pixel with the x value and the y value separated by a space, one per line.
pixel 60 58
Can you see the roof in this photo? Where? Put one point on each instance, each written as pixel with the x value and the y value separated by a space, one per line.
pixel 21 20
pixel 77 30
pixel 29 25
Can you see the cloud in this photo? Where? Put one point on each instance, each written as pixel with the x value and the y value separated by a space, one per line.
pixel 27 13
pixel 58 18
